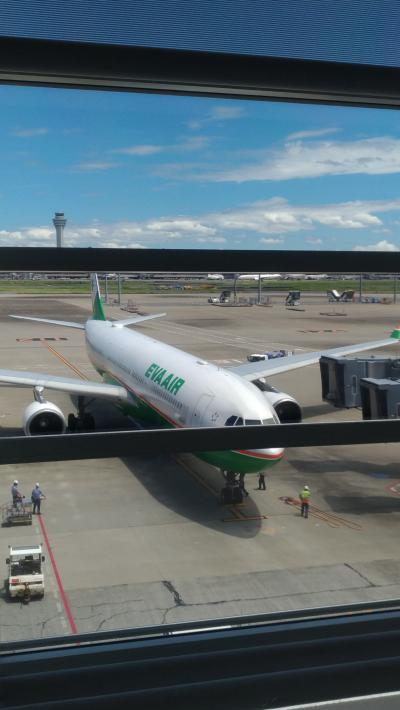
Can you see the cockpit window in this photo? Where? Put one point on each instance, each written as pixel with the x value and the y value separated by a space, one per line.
pixel 272 419
pixel 231 421
pixel 235 421
pixel 253 422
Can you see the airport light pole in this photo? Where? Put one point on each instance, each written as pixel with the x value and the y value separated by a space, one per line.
pixel 259 289
pixel 119 289
pixel 395 289
pixel 106 290
pixel 360 288
pixel 235 278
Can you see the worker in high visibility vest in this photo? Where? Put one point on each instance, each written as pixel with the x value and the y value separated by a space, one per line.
pixel 305 496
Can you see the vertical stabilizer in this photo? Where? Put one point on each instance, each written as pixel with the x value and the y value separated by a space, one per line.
pixel 98 313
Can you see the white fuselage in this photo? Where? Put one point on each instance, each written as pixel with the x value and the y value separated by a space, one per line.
pixel 183 389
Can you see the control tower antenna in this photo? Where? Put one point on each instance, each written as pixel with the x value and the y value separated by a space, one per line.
pixel 59 222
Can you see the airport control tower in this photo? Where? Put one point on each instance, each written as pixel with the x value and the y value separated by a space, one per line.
pixel 59 222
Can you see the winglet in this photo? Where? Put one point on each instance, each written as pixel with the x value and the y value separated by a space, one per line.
pixel 395 333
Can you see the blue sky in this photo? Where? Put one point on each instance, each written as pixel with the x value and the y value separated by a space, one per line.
pixel 140 170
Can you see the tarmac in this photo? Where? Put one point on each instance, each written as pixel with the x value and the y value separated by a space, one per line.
pixel 144 541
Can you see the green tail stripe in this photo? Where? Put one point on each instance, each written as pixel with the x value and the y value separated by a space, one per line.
pixel 395 333
pixel 97 306
pixel 98 312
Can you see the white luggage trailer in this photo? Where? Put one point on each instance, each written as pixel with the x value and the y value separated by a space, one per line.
pixel 25 573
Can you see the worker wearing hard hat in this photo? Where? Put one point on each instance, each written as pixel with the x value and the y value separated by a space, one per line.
pixel 36 498
pixel 305 496
pixel 15 494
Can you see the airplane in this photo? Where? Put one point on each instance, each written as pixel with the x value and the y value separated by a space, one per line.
pixel 161 385
pixel 255 277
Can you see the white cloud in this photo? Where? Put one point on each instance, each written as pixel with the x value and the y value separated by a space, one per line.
pixel 302 159
pixel 277 216
pixel 384 245
pixel 213 240
pixel 30 132
pixel 40 233
pixel 311 134
pixel 217 114
pixel 190 144
pixel 139 150
pixel 264 240
pixel 268 222
pixel 94 166
pixel 225 113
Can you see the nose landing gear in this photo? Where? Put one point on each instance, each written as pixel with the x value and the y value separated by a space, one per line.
pixel 234 490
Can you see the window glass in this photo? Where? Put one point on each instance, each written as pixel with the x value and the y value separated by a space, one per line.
pixel 313 29
pixel 156 539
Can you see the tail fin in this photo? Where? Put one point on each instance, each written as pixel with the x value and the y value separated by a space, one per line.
pixel 97 306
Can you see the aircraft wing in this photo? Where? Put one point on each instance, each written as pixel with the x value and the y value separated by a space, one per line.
pixel 19 378
pixel 265 368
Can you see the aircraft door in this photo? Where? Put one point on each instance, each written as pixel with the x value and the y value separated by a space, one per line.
pixel 200 409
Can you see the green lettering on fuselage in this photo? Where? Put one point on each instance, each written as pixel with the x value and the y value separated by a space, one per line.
pixel 155 372
pixel 161 377
pixel 167 381
pixel 177 385
pixel 150 369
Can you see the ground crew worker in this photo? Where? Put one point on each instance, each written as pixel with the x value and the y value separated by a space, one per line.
pixel 241 484
pixel 36 497
pixel 16 495
pixel 305 496
pixel 261 482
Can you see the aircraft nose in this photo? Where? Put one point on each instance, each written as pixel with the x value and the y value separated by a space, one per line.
pixel 271 454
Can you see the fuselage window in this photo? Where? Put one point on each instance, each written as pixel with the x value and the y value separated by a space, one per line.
pixel 253 422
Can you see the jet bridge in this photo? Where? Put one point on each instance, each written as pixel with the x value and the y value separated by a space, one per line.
pixel 340 377
pixel 380 398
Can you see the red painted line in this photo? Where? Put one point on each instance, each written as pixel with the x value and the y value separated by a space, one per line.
pixel 253 455
pixel 63 595
pixel 394 488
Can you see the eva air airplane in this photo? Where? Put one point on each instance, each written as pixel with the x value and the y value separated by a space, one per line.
pixel 163 386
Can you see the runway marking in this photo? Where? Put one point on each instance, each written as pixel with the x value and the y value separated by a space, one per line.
pixel 228 339
pixel 244 518
pixel 332 519
pixel 326 330
pixel 37 340
pixel 63 595
pixel 65 361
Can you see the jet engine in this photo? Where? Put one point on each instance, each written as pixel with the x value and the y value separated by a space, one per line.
pixel 286 407
pixel 43 418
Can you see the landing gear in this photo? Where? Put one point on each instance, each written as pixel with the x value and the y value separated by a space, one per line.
pixel 84 421
pixel 234 490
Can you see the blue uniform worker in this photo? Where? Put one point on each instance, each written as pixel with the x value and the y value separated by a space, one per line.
pixel 36 497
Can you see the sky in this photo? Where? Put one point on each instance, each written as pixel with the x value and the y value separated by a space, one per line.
pixel 152 171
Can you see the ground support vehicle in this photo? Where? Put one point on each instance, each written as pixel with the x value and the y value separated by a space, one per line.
pixel 20 514
pixel 25 572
